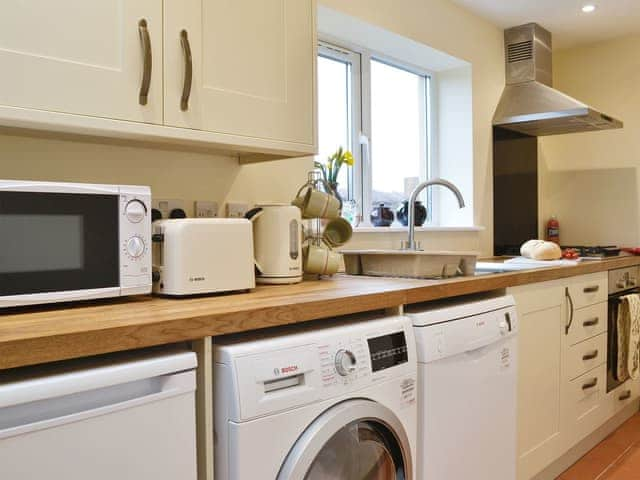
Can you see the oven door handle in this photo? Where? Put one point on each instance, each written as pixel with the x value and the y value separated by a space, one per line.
pixel 568 326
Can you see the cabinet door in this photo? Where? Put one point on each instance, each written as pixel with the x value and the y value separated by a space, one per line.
pixel 82 57
pixel 252 66
pixel 540 437
pixel 539 388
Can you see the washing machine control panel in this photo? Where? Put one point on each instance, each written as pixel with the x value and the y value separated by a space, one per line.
pixel 355 360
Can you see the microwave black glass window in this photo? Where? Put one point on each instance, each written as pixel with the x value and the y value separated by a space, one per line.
pixel 53 242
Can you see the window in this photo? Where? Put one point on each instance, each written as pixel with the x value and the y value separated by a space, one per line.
pixel 379 109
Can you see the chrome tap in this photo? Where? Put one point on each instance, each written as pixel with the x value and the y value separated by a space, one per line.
pixel 410 244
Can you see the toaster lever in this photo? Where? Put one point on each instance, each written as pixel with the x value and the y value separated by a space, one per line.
pixel 157 237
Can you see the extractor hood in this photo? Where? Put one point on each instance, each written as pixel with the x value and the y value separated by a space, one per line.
pixel 529 104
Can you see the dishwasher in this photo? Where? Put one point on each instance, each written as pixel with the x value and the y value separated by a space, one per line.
pixel 467 376
pixel 125 416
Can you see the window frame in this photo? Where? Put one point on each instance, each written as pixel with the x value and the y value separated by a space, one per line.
pixel 334 52
pixel 361 142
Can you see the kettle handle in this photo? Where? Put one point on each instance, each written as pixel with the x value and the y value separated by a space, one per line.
pixel 254 213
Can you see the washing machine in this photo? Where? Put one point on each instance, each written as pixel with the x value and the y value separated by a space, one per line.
pixel 337 402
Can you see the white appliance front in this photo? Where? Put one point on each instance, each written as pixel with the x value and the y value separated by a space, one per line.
pixel 130 419
pixel 284 411
pixel 467 400
pixel 68 241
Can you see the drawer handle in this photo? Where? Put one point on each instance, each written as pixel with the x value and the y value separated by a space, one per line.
pixel 590 384
pixel 591 322
pixel 625 396
pixel 188 71
pixel 147 61
pixel 592 289
pixel 590 356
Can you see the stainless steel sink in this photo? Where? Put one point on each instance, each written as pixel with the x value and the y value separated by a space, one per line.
pixel 409 263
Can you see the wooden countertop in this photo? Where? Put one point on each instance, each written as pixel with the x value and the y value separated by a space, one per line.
pixel 47 334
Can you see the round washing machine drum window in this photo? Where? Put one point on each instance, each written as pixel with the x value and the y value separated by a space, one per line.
pixel 354 440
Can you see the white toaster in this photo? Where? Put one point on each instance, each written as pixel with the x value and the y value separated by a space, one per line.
pixel 194 256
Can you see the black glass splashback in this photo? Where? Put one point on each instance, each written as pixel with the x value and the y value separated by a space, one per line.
pixel 515 190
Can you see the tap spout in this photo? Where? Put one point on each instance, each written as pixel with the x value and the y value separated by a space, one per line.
pixel 411 243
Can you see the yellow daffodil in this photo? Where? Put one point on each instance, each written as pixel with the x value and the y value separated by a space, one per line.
pixel 348 158
pixel 334 162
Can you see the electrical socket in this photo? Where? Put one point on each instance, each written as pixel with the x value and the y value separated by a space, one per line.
pixel 166 205
pixel 206 209
pixel 237 209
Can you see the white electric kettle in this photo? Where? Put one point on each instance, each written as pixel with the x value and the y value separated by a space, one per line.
pixel 277 237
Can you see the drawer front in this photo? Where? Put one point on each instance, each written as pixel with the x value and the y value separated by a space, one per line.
pixel 585 404
pixel 587 290
pixel 623 395
pixel 587 322
pixel 586 356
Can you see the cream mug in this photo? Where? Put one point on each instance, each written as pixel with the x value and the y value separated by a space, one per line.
pixel 320 260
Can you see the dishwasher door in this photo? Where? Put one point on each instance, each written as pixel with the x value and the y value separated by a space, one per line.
pixel 132 418
pixel 467 399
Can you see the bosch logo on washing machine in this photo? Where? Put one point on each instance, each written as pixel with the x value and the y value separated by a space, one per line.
pixel 286 370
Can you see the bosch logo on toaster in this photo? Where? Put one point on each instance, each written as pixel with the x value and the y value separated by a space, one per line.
pixel 197 279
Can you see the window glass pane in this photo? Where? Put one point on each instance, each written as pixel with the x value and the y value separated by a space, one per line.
pixel 334 100
pixel 398 132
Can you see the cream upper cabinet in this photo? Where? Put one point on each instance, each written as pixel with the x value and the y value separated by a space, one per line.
pixel 242 67
pixel 83 57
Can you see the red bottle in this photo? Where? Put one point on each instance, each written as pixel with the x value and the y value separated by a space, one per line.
pixel 553 230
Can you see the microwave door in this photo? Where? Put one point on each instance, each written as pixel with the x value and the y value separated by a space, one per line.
pixel 56 243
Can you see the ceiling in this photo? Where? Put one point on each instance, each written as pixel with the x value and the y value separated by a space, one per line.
pixel 568 24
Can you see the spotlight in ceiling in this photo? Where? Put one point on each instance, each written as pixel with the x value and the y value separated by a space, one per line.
pixel 588 8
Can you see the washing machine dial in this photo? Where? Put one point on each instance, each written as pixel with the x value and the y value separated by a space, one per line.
pixel 345 362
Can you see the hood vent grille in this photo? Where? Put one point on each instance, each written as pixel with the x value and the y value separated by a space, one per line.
pixel 517 52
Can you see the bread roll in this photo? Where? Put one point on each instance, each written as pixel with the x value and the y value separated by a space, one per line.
pixel 527 248
pixel 541 250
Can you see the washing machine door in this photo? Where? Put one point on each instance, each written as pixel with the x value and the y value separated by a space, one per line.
pixel 353 440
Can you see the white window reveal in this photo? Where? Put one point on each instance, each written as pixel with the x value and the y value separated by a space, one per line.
pixel 403 109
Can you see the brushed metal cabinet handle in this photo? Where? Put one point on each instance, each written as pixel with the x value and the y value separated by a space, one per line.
pixel 590 356
pixel 147 66
pixel 188 71
pixel 590 384
pixel 591 322
pixel 625 396
pixel 592 289
pixel 568 326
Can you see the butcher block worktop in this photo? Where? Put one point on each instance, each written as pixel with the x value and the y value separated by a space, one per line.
pixel 52 333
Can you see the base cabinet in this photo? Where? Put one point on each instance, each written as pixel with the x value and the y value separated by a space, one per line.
pixel 562 374
pixel 540 435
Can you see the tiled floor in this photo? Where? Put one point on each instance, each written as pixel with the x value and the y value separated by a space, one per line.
pixel 616 458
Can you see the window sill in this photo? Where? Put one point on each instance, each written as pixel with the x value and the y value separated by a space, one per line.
pixel 401 229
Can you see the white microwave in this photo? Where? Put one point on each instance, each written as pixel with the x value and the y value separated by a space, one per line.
pixel 63 242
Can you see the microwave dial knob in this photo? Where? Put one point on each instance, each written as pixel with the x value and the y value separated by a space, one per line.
pixel 135 247
pixel 135 211
pixel 345 362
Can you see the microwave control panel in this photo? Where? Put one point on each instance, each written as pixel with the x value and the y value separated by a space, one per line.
pixel 135 238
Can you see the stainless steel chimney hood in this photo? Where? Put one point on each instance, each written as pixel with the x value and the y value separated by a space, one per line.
pixel 529 104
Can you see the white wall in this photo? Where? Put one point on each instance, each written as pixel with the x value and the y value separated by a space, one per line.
pixel 590 180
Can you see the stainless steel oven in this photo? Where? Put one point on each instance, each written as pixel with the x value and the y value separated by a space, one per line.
pixel 65 241
pixel 622 282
